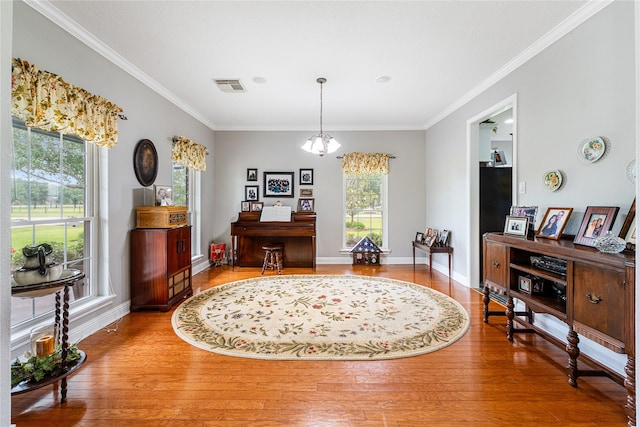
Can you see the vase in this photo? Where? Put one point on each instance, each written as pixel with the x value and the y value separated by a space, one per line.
pixel 609 243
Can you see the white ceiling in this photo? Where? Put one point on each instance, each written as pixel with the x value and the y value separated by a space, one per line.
pixel 435 52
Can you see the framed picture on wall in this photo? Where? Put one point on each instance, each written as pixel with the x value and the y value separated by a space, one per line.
pixel 306 176
pixel 278 184
pixel 252 174
pixel 251 192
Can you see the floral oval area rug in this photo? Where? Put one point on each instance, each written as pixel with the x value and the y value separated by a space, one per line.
pixel 320 317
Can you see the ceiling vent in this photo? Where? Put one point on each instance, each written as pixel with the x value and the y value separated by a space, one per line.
pixel 230 85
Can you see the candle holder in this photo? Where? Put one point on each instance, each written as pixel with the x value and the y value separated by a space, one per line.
pixel 43 340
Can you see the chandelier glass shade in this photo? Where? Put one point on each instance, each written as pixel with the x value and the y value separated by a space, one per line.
pixel 321 143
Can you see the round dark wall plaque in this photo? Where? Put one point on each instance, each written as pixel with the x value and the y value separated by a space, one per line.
pixel 145 162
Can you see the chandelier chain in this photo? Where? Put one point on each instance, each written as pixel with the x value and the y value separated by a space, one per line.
pixel 321 84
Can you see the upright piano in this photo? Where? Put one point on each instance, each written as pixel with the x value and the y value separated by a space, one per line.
pixel 298 236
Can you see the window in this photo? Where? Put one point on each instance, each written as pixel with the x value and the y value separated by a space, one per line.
pixel 51 190
pixel 186 191
pixel 365 208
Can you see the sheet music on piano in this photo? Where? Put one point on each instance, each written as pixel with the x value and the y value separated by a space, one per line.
pixel 276 213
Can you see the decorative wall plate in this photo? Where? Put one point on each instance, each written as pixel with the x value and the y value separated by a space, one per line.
pixel 145 162
pixel 592 149
pixel 631 171
pixel 552 180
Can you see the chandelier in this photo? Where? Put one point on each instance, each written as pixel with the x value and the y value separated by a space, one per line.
pixel 321 143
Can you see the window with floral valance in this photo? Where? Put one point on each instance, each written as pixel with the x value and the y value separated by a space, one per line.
pixel 44 101
pixel 366 163
pixel 365 198
pixel 189 153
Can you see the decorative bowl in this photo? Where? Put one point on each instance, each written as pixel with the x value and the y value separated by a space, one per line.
pixel 26 277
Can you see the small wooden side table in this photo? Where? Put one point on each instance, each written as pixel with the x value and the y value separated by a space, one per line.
pixel 432 250
pixel 68 279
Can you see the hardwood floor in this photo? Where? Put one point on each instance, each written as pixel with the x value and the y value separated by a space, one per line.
pixel 142 374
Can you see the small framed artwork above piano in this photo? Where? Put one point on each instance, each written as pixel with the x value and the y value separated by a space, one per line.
pixel 278 184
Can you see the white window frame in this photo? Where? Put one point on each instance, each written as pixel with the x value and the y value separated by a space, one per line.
pixel 194 210
pixel 101 294
pixel 384 188
pixel 195 207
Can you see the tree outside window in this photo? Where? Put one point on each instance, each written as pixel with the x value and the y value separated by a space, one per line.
pixel 49 191
pixel 364 208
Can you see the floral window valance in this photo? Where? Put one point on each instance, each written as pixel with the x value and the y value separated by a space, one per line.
pixel 44 101
pixel 188 153
pixel 366 163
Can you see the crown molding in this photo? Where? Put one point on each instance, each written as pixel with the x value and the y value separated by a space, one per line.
pixel 62 20
pixel 570 23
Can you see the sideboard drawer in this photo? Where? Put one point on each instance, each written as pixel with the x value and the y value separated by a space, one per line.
pixel 598 305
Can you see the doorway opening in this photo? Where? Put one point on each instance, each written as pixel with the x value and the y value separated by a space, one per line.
pixel 478 157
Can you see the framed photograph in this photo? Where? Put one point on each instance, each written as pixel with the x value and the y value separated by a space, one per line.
pixel 306 176
pixel 524 284
pixel 245 206
pixel 597 220
pixel 256 206
pixel 145 162
pixel 419 237
pixel 306 192
pixel 526 211
pixel 516 225
pixel 628 231
pixel 444 237
pixel 537 286
pixel 251 193
pixel 163 195
pixel 554 221
pixel 278 184
pixel 305 205
pixel 432 238
pixel 252 174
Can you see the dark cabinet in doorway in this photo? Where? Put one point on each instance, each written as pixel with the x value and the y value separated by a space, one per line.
pixel 495 200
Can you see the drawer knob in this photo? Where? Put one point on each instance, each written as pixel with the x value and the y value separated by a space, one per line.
pixel 496 264
pixel 593 299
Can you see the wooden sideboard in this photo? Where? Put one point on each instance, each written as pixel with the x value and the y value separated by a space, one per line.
pixel 594 296
pixel 298 237
pixel 160 267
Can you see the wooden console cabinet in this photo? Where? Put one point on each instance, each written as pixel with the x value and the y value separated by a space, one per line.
pixel 595 297
pixel 160 267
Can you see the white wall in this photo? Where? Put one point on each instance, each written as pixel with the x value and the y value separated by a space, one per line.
pixel 581 86
pixel 280 151
pixel 43 43
pixel 6 13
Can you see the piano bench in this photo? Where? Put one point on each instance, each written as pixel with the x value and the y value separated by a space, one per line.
pixel 272 257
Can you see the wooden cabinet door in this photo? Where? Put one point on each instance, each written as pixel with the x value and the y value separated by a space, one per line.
pixel 598 304
pixel 495 265
pixel 178 249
